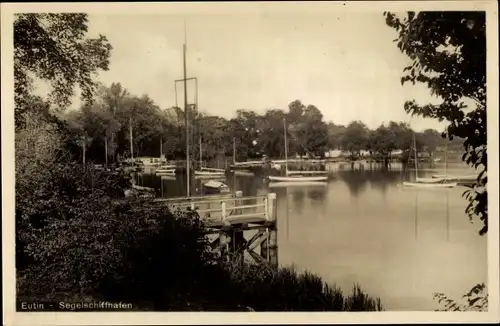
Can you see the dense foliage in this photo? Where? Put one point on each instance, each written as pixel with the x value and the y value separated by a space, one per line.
pixel 448 54
pixel 54 48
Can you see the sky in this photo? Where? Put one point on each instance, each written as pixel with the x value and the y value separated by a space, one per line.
pixel 344 63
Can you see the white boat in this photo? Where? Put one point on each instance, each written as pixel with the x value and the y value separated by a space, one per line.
pixel 457 178
pixel 216 186
pixel 430 180
pixel 248 163
pixel 294 184
pixel 306 172
pixel 427 182
pixel 244 173
pixel 430 185
pixel 297 178
pixel 471 177
pixel 167 166
pixel 165 171
pixel 216 177
pixel 208 173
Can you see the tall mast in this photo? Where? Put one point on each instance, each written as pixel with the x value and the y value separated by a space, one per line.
pixel 234 151
pixel 446 157
pixel 186 113
pixel 201 159
pixel 286 147
pixel 416 155
pixel 131 139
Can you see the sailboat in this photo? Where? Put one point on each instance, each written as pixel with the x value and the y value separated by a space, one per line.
pixel 426 182
pixel 458 178
pixel 290 177
pixel 237 171
pixel 208 172
pixel 166 169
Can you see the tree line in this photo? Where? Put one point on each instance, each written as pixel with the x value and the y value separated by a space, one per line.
pixel 117 124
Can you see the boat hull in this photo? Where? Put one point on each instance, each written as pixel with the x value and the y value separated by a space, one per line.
pixel 171 171
pixel 465 178
pixel 208 173
pixel 213 186
pixel 244 173
pixel 430 185
pixel 284 184
pixel 297 178
pixel 306 172
pixel 430 180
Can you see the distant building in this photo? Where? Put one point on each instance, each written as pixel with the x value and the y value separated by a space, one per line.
pixel 333 153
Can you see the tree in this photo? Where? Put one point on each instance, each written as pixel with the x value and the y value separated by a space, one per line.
pixel 448 54
pixel 314 132
pixel 308 132
pixel 355 139
pixel 85 126
pixel 383 142
pixel 53 48
pixel 335 134
pixel 112 99
pixel 430 139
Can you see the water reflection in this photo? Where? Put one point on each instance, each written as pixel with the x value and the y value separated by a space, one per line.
pixel 399 244
pixel 355 181
pixel 440 208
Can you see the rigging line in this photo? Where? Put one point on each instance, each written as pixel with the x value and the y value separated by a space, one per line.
pixel 405 170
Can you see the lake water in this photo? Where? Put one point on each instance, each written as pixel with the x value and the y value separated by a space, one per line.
pixel 399 244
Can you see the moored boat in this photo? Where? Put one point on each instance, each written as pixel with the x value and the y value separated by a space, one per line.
pixel 208 173
pixel 214 186
pixel 427 183
pixel 430 185
pixel 283 184
pixel 299 178
pixel 470 177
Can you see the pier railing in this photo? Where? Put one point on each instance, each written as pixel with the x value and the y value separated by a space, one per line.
pixel 226 210
pixel 227 217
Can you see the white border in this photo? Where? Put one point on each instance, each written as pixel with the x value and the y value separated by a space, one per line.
pixel 129 318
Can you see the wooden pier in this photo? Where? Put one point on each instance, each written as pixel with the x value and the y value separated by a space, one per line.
pixel 231 218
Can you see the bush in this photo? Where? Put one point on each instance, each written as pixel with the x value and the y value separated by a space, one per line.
pixel 283 289
pixel 133 252
pixel 476 300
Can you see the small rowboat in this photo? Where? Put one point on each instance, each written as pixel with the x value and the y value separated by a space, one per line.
pixel 216 187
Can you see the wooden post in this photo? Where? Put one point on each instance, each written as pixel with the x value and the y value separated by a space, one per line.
pixel 271 207
pixel 223 235
pixel 234 150
pixel 269 247
pixel 131 139
pixel 237 239
pixel 106 150
pixel 223 213
pixel 84 147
